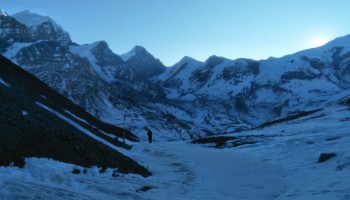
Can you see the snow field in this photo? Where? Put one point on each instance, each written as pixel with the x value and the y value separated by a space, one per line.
pixel 180 171
pixel 297 147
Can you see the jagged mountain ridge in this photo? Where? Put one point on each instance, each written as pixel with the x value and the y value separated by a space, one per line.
pixel 91 75
pixel 305 80
pixel 191 98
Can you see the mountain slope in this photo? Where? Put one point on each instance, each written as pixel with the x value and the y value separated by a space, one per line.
pixel 312 150
pixel 92 76
pixel 259 91
pixel 36 121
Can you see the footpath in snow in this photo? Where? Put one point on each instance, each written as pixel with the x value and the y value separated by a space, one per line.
pixel 183 171
pixel 180 171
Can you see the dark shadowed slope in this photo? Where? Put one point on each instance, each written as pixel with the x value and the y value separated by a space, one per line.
pixel 29 130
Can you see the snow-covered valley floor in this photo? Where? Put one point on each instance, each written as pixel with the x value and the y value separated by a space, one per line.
pixel 180 171
pixel 283 165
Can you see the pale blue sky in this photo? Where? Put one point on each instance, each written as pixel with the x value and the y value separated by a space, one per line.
pixel 171 29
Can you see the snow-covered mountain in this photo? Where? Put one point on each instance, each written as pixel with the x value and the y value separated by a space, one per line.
pixel 188 100
pixel 259 91
pixel 43 28
pixel 36 121
pixel 143 62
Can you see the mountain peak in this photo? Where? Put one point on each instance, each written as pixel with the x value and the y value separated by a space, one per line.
pixel 215 60
pixel 32 19
pixel 139 49
pixel 188 59
pixel 136 50
pixel 100 44
pixel 3 13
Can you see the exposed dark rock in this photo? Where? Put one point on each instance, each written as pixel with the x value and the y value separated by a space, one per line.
pixel 289 118
pixel 144 189
pixel 219 142
pixel 103 169
pixel 228 141
pixel 297 75
pixel 144 63
pixel 333 138
pixel 315 62
pixel 12 31
pixel 326 156
pixel 76 171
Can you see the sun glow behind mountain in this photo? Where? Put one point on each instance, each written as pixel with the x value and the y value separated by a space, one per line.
pixel 318 41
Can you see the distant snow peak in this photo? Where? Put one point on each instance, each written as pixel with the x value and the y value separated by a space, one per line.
pixel 136 50
pixel 3 13
pixel 32 19
pixel 187 59
pixel 215 60
pixel 102 43
pixel 89 47
pixel 127 56
pixel 139 49
pixel 85 50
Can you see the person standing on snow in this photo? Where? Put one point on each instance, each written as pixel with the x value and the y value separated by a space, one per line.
pixel 149 134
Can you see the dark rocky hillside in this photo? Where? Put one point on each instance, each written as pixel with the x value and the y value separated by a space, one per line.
pixel 28 130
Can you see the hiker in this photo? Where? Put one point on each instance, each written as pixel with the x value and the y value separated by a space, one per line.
pixel 149 134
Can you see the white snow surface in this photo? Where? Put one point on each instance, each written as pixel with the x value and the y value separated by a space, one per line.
pixel 131 53
pixel 128 55
pixel 32 19
pixel 76 117
pixel 13 50
pixel 79 127
pixel 180 171
pixel 24 113
pixel 85 52
pixel 3 13
pixel 281 165
pixel 183 69
pixel 277 66
pixel 4 83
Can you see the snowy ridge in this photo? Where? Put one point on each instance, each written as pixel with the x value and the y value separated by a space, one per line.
pixel 182 69
pixel 133 52
pixel 85 52
pixel 108 71
pixel 4 83
pixel 78 126
pixel 129 54
pixel 32 20
pixel 15 48
pixel 3 13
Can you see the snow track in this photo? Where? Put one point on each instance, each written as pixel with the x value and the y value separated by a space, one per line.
pixel 180 171
pixel 183 171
